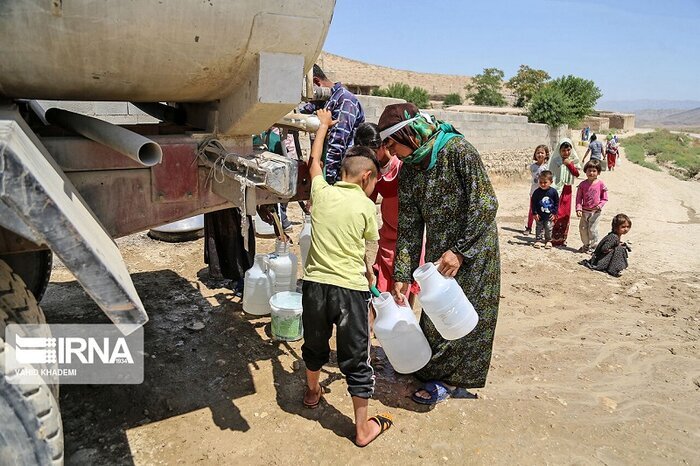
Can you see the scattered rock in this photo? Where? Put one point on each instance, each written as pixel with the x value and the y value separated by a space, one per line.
pixel 296 365
pixel 195 325
pixel 83 456
pixel 669 312
pixel 179 343
pixel 608 403
pixel 673 351
pixel 696 381
pixel 220 362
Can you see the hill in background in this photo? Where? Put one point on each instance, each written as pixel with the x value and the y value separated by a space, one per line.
pixel 658 113
pixel 363 78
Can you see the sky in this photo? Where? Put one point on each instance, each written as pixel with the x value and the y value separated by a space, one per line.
pixel 631 49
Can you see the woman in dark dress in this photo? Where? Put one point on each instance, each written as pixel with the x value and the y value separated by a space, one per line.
pixel 444 188
pixel 611 253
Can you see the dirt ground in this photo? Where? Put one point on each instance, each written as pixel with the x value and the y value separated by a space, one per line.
pixel 587 369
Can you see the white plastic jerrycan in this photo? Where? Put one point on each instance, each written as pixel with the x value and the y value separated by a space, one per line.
pixel 283 263
pixel 259 282
pixel 305 240
pixel 261 227
pixel 445 303
pixel 400 335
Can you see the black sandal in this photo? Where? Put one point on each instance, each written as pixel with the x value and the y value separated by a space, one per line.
pixel 385 422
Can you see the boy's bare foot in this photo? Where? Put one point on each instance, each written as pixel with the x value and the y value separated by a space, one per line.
pixel 312 398
pixel 374 427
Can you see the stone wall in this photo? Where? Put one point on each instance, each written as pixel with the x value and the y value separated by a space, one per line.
pixel 624 121
pixel 506 142
pixel 596 124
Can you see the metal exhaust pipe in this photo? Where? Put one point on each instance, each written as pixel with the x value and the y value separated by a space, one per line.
pixel 133 145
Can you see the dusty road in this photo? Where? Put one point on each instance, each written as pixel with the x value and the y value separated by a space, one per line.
pixel 587 369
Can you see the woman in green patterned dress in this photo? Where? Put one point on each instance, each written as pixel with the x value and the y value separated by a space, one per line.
pixel 444 188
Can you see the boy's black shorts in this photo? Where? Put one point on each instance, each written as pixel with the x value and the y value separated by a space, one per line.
pixel 325 305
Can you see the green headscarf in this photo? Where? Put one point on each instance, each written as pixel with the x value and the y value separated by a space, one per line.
pixel 561 174
pixel 425 134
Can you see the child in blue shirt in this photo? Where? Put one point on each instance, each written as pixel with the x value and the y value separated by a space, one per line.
pixel 544 204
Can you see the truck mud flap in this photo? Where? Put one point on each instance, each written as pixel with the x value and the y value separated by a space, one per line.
pixel 43 205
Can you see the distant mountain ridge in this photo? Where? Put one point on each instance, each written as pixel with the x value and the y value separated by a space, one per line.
pixel 687 118
pixel 647 104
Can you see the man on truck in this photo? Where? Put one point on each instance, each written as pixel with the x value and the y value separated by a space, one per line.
pixel 344 108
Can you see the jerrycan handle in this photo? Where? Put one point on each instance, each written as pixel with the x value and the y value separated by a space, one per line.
pixel 375 292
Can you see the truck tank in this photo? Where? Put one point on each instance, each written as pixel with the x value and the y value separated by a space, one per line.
pixel 150 50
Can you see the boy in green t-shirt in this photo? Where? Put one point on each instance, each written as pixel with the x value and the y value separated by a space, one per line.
pixel 337 277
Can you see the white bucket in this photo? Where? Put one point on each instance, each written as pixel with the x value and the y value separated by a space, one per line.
pixel 286 316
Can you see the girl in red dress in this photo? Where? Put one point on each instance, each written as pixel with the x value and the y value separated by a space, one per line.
pixel 388 186
pixel 565 166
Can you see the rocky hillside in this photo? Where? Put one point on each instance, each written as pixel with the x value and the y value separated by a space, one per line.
pixel 363 77
pixel 687 118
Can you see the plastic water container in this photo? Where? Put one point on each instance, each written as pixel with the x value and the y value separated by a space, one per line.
pixel 445 303
pixel 258 289
pixel 286 316
pixel 283 263
pixel 400 335
pixel 262 228
pixel 305 240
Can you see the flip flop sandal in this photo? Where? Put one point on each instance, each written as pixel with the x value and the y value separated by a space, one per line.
pixel 312 405
pixel 437 390
pixel 385 422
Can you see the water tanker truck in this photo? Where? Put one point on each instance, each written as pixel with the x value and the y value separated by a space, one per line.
pixel 212 72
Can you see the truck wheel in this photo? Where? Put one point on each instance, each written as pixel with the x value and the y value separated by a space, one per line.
pixel 31 430
pixel 34 267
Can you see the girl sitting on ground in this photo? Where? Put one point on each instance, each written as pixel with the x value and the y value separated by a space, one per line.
pixel 611 253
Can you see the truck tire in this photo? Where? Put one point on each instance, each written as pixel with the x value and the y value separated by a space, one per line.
pixel 30 421
pixel 34 267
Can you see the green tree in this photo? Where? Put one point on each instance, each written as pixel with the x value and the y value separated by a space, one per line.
pixel 564 101
pixel 452 99
pixel 550 106
pixel 582 93
pixel 526 83
pixel 415 95
pixel 485 88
